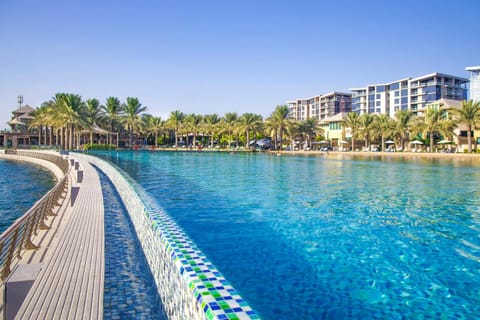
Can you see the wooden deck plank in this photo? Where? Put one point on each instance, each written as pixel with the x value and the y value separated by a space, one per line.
pixel 70 285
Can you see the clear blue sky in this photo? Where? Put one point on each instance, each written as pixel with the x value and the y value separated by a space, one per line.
pixel 225 56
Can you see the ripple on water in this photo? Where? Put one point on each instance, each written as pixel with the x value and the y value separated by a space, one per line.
pixel 308 238
pixel 21 185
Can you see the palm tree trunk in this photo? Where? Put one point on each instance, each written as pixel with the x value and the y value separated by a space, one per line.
pixel 469 138
pixel 156 139
pixel 431 141
pixel 40 135
pixel 91 137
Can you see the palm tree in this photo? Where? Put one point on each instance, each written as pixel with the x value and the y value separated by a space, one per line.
pixel 211 125
pixel 404 121
pixel 366 127
pixel 469 115
pixel 193 122
pixel 132 110
pixel 434 122
pixel 175 122
pixel 278 122
pixel 310 128
pixel 154 125
pixel 111 112
pixel 249 122
pixel 92 115
pixel 352 121
pixel 230 122
pixel 67 111
pixel 382 126
pixel 41 120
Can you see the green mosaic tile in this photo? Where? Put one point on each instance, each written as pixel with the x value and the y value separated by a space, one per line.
pixel 210 314
pixel 233 316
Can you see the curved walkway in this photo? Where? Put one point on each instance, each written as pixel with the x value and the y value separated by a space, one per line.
pixel 70 283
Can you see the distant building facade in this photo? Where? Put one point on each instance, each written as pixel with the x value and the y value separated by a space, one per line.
pixel 20 133
pixel 474 83
pixel 412 94
pixel 320 107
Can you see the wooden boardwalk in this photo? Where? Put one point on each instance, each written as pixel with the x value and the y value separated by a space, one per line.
pixel 70 284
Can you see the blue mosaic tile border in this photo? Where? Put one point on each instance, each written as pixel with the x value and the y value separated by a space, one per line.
pixel 214 296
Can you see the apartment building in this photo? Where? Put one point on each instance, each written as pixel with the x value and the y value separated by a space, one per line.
pixel 408 94
pixel 474 82
pixel 320 107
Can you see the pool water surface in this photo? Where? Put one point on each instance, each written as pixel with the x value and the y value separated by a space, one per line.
pixel 322 237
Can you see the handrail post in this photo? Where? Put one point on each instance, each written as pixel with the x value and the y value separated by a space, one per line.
pixel 6 268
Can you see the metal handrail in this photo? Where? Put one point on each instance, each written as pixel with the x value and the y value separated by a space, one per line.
pixel 18 237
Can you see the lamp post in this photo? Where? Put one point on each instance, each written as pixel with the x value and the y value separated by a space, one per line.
pixel 19 101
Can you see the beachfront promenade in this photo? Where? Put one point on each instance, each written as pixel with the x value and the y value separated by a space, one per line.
pixel 69 284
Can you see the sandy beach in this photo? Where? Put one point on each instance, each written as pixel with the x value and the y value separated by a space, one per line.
pixel 406 155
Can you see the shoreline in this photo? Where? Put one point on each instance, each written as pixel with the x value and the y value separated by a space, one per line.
pixel 370 154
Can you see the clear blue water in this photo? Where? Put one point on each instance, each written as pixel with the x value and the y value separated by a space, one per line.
pixel 21 185
pixel 328 238
pixel 129 288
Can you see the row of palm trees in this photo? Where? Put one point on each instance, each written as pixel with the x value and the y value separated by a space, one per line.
pixel 406 127
pixel 63 118
pixel 66 117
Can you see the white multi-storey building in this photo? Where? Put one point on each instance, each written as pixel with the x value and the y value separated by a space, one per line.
pixel 408 94
pixel 320 107
pixel 474 82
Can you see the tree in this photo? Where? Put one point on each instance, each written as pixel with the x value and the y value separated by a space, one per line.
pixel 67 111
pixel 92 115
pixel 366 127
pixel 230 121
pixel 154 125
pixel 174 122
pixel 211 125
pixel 132 110
pixel 249 122
pixel 352 121
pixel 382 127
pixel 278 122
pixel 309 129
pixel 193 123
pixel 469 115
pixel 41 119
pixel 404 121
pixel 434 122
pixel 111 112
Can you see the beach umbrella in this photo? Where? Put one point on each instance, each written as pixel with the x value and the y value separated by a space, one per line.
pixel 444 142
pixel 389 142
pixel 416 142
pixel 344 142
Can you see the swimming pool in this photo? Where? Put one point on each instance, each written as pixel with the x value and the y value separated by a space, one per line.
pixel 21 184
pixel 313 237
